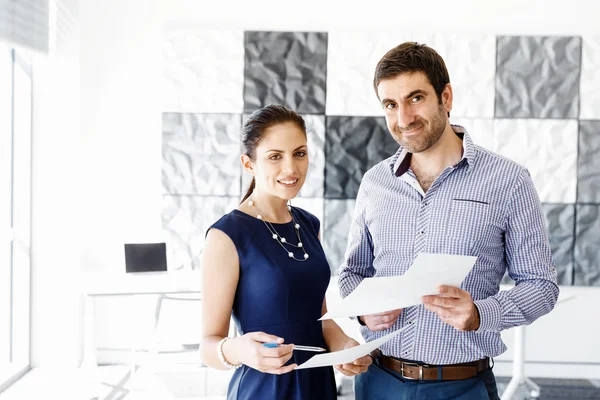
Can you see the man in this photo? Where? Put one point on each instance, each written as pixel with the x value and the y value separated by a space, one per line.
pixel 440 193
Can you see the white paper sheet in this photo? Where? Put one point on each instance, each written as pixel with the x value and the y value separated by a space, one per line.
pixel 428 272
pixel 347 355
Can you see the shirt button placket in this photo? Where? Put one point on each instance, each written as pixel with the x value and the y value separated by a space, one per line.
pixel 420 245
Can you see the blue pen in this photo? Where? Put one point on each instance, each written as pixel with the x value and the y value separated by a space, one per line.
pixel 296 347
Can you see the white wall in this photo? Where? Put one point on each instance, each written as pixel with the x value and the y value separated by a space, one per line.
pixel 96 162
pixel 121 68
pixel 511 17
pixel 56 189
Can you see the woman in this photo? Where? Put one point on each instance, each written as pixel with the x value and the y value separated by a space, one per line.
pixel 264 262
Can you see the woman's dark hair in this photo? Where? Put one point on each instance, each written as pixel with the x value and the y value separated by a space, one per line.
pixel 256 126
pixel 410 57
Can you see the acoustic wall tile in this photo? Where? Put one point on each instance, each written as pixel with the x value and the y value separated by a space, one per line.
pixel 185 220
pixel 588 168
pixel 547 148
pixel 590 78
pixel 203 71
pixel 337 220
pixel 315 134
pixel 481 130
pixel 560 222
pixel 352 146
pixel 587 243
pixel 246 177
pixel 538 77
pixel 471 64
pixel 288 68
pixel 201 154
pixel 351 60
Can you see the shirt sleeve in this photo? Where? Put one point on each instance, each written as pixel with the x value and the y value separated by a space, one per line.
pixel 529 261
pixel 358 261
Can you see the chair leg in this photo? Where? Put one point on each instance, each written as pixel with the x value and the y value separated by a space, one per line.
pixel 133 376
pixel 153 350
pixel 150 357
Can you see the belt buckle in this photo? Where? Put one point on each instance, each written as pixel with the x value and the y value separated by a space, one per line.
pixel 411 365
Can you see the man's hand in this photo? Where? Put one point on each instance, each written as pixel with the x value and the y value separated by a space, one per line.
pixel 381 321
pixel 455 307
pixel 357 366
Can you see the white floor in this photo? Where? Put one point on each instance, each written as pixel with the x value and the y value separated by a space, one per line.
pixel 184 383
pixel 115 384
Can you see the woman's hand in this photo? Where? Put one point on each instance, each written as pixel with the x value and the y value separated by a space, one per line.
pixel 356 367
pixel 249 350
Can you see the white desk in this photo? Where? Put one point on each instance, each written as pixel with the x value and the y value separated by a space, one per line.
pixel 95 284
pixel 116 284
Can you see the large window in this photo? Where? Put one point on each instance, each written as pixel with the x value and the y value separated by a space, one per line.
pixel 15 212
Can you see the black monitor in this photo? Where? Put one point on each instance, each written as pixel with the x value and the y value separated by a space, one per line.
pixel 145 257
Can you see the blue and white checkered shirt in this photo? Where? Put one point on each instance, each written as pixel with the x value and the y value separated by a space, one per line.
pixel 484 206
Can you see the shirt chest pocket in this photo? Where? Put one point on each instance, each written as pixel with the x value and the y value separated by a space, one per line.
pixel 469 222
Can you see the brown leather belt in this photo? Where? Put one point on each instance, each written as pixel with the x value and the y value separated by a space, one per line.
pixel 412 370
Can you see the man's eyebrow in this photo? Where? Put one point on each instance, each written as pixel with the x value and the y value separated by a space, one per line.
pixel 408 96
pixel 417 91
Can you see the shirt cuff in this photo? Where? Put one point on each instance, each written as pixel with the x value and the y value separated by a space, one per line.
pixel 490 315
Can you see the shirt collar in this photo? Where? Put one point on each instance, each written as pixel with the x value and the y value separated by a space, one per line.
pixel 400 161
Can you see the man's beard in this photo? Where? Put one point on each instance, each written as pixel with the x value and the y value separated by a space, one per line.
pixel 432 132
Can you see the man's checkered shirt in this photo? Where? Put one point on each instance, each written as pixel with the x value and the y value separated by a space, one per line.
pixel 484 206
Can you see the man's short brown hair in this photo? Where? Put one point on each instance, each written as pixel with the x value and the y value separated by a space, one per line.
pixel 410 57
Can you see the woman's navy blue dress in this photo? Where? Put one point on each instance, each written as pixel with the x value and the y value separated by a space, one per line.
pixel 283 297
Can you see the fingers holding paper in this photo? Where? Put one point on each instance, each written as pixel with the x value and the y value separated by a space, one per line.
pixel 455 307
pixel 381 321
pixel 357 366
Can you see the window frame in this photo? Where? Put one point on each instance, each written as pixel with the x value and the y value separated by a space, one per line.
pixel 19 229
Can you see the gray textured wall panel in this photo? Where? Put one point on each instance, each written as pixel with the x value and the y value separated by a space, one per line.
pixel 203 71
pixel 471 64
pixel 588 168
pixel 353 145
pixel 351 60
pixel 336 225
pixel 587 245
pixel 481 130
pixel 185 220
pixel 589 86
pixel 560 221
pixel 538 77
pixel 547 148
pixel 315 133
pixel 201 154
pixel 288 68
